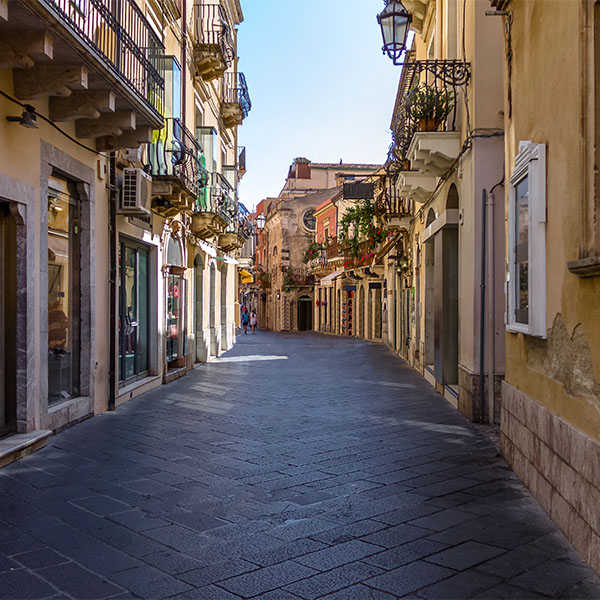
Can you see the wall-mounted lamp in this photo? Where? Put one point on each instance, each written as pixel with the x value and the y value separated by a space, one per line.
pixel 394 20
pixel 27 118
pixel 54 205
pixel 260 222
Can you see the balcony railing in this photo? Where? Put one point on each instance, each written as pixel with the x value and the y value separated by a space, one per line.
pixel 244 226
pixel 389 201
pixel 121 35
pixel 428 99
pixel 235 90
pixel 211 28
pixel 176 154
pixel 222 200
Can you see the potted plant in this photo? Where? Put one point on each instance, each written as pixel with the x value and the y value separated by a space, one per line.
pixel 429 106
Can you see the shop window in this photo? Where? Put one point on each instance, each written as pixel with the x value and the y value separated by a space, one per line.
pixel 64 292
pixel 527 242
pixel 133 310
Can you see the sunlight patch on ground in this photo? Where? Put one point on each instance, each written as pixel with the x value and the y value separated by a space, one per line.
pixel 250 358
pixel 384 383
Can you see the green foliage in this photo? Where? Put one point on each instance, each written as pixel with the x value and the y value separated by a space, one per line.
pixel 264 280
pixel 312 252
pixel 430 103
pixel 358 223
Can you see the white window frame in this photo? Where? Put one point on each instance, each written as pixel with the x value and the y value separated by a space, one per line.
pixel 530 163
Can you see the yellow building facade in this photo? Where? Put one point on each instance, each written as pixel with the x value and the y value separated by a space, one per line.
pixel 551 393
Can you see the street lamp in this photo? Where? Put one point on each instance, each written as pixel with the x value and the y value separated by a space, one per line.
pixel 260 222
pixel 394 20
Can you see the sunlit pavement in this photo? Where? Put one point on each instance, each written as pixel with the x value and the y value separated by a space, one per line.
pixel 297 466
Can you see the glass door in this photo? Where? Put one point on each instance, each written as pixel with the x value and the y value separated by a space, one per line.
pixel 173 316
pixel 133 311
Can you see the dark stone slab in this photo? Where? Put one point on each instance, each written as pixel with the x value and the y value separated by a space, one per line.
pixel 78 582
pixel 102 505
pixel 465 556
pixel 21 584
pixel 37 559
pixel 338 555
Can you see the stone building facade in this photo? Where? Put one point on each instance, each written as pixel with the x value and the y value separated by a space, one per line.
pixel 119 212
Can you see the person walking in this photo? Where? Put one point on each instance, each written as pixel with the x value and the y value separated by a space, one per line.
pixel 253 321
pixel 245 320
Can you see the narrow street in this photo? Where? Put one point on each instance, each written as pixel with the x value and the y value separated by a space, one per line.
pixel 296 466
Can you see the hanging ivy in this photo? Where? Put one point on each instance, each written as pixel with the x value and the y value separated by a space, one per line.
pixel 312 252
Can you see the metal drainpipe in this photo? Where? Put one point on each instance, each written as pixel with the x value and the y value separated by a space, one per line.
pixel 112 362
pixel 482 307
pixel 492 299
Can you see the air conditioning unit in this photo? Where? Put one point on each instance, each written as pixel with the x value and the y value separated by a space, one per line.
pixel 136 197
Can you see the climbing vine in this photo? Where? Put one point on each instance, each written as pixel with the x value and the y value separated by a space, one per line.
pixel 357 224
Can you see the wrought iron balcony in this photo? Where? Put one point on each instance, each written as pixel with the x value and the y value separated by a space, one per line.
pixel 175 163
pixel 236 99
pixel 213 44
pixel 389 202
pixel 223 198
pixel 428 100
pixel 102 66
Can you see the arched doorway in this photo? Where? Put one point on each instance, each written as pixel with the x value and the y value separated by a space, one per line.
pixel 361 312
pixel 305 313
pixel 429 295
pixel 175 305
pixel 199 307
pixel 224 315
pixel 212 309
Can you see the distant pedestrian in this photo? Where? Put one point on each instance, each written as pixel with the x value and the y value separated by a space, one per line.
pixel 253 321
pixel 245 320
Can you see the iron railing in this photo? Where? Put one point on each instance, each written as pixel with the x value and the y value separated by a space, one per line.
pixel 174 152
pixel 235 89
pixel 222 198
pixel 428 100
pixel 388 200
pixel 121 35
pixel 211 28
pixel 244 226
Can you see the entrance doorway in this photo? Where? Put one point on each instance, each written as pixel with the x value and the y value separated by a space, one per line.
pixel 8 318
pixel 361 312
pixel 304 313
pixel 133 310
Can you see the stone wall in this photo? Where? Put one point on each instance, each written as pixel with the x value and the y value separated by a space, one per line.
pixel 559 464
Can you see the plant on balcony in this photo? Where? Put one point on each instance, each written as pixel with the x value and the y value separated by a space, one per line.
pixel 312 252
pixel 358 223
pixel 264 280
pixel 290 279
pixel 429 106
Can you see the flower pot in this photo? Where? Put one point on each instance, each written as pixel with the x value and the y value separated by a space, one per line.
pixel 429 124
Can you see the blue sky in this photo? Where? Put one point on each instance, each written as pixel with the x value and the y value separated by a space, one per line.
pixel 319 84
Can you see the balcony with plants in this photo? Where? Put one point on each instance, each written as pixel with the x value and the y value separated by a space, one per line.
pixel 238 231
pixel 213 46
pixel 393 208
pixel 426 123
pixel 236 102
pixel 99 64
pixel 175 163
pixel 216 208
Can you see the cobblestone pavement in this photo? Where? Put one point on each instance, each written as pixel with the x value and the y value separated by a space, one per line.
pixel 297 466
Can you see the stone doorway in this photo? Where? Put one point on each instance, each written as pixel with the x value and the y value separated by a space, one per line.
pixel 304 313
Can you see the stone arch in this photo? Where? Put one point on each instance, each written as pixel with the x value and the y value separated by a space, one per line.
pixel 430 217
pixel 452 198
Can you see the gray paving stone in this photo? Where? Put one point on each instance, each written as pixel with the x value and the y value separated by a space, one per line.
pixel 463 585
pixel 402 555
pixel 359 592
pixel 202 478
pixel 37 559
pixel 338 555
pixel 409 578
pixel 266 579
pixel 465 556
pixel 21 584
pixel 332 581
pixel 78 582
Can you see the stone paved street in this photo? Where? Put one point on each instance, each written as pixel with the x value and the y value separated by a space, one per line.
pixel 297 466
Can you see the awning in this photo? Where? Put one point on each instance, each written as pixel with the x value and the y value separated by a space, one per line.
pixel 247 277
pixel 328 280
pixel 387 247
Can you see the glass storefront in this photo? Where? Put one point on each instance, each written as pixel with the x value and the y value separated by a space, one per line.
pixel 173 316
pixel 64 292
pixel 133 310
